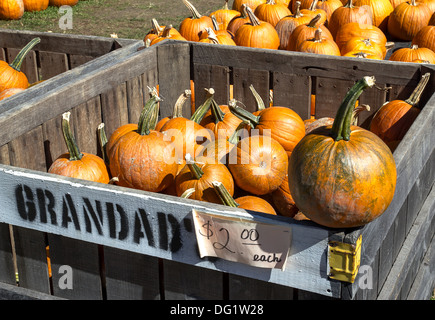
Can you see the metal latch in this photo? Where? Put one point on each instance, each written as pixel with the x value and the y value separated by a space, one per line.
pixel 344 260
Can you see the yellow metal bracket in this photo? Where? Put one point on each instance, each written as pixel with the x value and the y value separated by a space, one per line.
pixel 344 260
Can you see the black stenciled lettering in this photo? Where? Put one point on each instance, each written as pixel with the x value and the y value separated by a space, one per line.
pixel 50 207
pixel 88 209
pixel 123 228
pixel 176 243
pixel 46 204
pixel 141 221
pixel 123 232
pixel 163 231
pixel 68 212
pixel 25 202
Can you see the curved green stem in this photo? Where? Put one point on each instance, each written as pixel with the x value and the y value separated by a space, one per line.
pixel 224 195
pixel 258 99
pixel 71 144
pixel 16 64
pixel 217 112
pixel 341 126
pixel 202 109
pixel 150 114
pixel 102 138
pixel 234 138
pixel 416 94
pixel 186 194
pixel 196 171
pixel 244 114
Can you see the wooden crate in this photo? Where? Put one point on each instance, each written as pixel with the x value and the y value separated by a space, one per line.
pixel 129 244
pixel 56 53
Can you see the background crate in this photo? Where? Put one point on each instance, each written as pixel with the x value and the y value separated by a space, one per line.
pixel 113 90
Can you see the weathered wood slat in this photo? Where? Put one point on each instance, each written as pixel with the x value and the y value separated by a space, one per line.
pixel 12 292
pixel 7 271
pixel 52 64
pixel 29 66
pixel 259 79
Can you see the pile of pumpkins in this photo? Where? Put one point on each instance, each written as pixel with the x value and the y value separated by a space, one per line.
pixel 14 9
pixel 353 28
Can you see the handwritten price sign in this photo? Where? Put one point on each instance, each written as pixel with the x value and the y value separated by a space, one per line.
pixel 257 244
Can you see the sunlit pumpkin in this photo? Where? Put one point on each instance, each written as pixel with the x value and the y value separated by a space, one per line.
pixel 354 29
pixel 59 3
pixel 271 12
pixel 347 14
pixel 425 38
pixel 224 15
pixel 380 9
pixel 319 45
pixel 238 4
pixel 11 9
pixel 35 5
pixel 191 28
pixel 414 52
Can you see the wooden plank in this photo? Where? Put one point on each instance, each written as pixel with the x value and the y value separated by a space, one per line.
pixel 216 77
pixel 173 63
pixel 259 79
pixel 12 292
pixel 241 288
pixel 7 270
pixel 292 91
pixel 76 60
pixel 413 248
pixel 52 64
pixel 76 206
pixel 131 276
pixel 135 98
pixel 75 269
pixel 54 142
pixel 114 108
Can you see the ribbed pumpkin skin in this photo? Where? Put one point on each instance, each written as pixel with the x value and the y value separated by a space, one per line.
pixel 425 38
pixel 237 4
pixel 272 12
pixel 11 78
pixel 413 53
pixel 263 36
pixel 253 203
pixel 345 183
pixel 11 9
pixel 192 28
pixel 35 5
pixel 381 11
pixel 283 200
pixel 89 167
pixel 393 120
pixel 350 30
pixel 59 3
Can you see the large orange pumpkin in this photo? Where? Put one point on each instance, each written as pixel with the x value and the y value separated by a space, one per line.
pixel 256 34
pixel 11 9
pixel 319 45
pixel 407 19
pixel 342 176
pixel 381 10
pixel 355 29
pixel 412 53
pixel 224 16
pixel 271 12
pixel 425 38
pixel 76 164
pixel 306 31
pixel 393 119
pixel 59 3
pixel 10 74
pixel 191 28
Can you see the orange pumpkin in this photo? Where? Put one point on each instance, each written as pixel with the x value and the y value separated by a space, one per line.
pixel 258 164
pixel 11 9
pixel 358 44
pixel 381 10
pixel 256 34
pixel 224 16
pixel 354 29
pixel 251 203
pixel 319 45
pixel 10 92
pixel 168 33
pixel 335 184
pixel 217 38
pixel 283 200
pixel 237 22
pixel 271 12
pixel 35 5
pixel 313 10
pixel 238 4
pixel 407 19
pixel 393 119
pixel 347 14
pixel 425 38
pixel 10 74
pixel 191 28
pixel 409 54
pixel 329 6
pixel 59 3
pixel 76 164
pixel 286 25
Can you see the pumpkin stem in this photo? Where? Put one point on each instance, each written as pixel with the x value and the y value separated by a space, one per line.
pixel 234 137
pixel 102 138
pixel 224 195
pixel 16 64
pixel 214 22
pixel 349 4
pixel 156 27
pixel 217 112
pixel 178 107
pixel 150 113
pixel 260 102
pixel 298 13
pixel 211 35
pixel 318 35
pixel 202 109
pixel 244 114
pixel 416 94
pixel 313 5
pixel 314 21
pixel 357 111
pixel 195 13
pixel 254 20
pixel 71 144
pixel 186 194
pixel 341 126
pixel 196 171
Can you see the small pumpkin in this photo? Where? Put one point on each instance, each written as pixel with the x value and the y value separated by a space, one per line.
pixel 224 15
pixel 354 29
pixel 286 25
pixel 363 54
pixel 59 3
pixel 191 28
pixel 138 158
pixel 329 6
pixel 35 5
pixel 271 12
pixel 76 164
pixel 236 22
pixel 11 9
pixel 200 176
pixel 319 45
pixel 251 203
pixel 258 164
pixel 425 38
pixel 214 38
pixel 346 14
pixel 168 33
pixel 407 19
pixel 252 4
pixel 393 119
pixel 10 74
pixel 330 158
pixel 414 52
pixel 283 200
pixel 313 10
pixel 364 45
pixel 256 34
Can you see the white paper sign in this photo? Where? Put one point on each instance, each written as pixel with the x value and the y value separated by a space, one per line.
pixel 257 244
